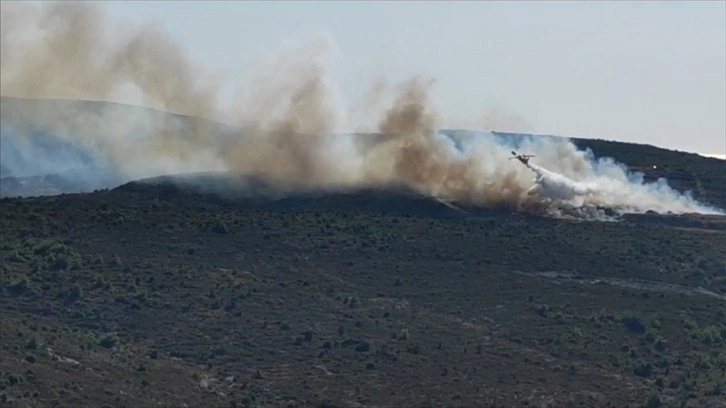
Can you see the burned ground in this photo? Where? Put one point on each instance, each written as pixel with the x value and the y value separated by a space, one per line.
pixel 148 295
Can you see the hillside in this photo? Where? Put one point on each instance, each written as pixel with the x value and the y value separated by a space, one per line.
pixel 213 290
pixel 39 157
pixel 153 295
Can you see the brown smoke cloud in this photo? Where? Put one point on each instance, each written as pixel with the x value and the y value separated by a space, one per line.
pixel 285 125
pixel 63 50
pixel 70 50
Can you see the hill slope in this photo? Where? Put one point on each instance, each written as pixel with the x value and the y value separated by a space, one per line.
pixel 149 294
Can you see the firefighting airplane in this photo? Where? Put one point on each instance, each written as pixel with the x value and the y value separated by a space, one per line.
pixel 551 185
pixel 524 158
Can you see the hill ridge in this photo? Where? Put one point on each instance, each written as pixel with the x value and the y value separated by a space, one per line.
pixel 684 171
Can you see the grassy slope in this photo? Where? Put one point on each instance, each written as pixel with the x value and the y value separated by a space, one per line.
pixel 132 297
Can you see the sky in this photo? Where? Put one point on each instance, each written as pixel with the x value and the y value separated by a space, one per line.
pixel 644 72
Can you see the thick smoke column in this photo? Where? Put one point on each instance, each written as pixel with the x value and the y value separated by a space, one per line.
pixel 285 130
pixel 62 51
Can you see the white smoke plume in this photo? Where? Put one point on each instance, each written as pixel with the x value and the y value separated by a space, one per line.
pixel 285 128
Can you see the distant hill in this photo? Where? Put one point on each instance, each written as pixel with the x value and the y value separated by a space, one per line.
pixel 38 162
pixel 38 158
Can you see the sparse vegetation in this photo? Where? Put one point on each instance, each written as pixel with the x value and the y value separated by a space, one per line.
pixel 377 299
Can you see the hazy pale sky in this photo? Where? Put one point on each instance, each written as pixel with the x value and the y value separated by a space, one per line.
pixel 646 72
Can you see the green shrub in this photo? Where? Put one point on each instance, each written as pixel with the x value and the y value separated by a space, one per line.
pixel 644 370
pixel 34 343
pixel 654 400
pixel 711 335
pixel 19 285
pixel 108 341
pixel 634 324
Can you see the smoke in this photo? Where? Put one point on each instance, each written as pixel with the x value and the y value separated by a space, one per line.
pixel 285 127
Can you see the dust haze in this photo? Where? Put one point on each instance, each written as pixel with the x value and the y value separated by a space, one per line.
pixel 285 122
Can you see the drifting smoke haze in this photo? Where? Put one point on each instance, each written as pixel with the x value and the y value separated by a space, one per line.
pixel 285 121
